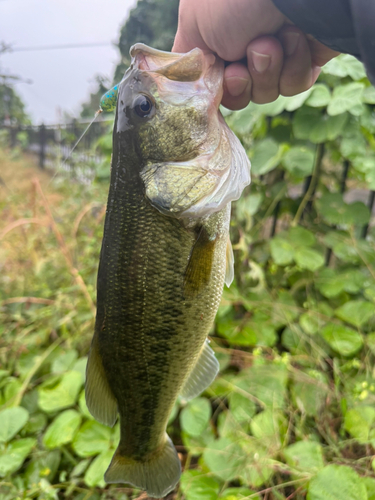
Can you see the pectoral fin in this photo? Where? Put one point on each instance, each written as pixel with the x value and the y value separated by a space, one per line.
pixel 99 398
pixel 175 188
pixel 202 375
pixel 198 270
pixel 229 271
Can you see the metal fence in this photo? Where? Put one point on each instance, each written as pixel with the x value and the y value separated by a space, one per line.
pixel 53 144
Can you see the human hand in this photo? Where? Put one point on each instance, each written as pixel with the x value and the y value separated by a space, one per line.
pixel 268 55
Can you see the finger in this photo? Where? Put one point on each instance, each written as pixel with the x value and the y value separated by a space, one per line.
pixel 320 54
pixel 237 86
pixel 188 35
pixel 265 61
pixel 296 75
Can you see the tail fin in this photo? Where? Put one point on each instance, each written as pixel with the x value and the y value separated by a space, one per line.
pixel 157 476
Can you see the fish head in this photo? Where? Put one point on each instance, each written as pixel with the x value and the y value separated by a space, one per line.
pixel 169 104
pixel 167 101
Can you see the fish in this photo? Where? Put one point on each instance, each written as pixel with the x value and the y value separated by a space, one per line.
pixel 176 167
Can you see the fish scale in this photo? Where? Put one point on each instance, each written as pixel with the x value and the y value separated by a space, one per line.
pixel 175 169
pixel 153 321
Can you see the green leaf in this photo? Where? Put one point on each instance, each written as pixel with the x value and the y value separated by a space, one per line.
pixel 332 207
pixel 296 101
pixel 331 283
pixel 341 339
pixel 247 206
pixel 196 444
pixel 311 322
pixel 83 406
pixel 319 97
pixel 195 416
pixel 334 126
pixel 64 361
pixel 305 120
pixel 299 161
pixel 310 392
pixel 80 468
pixel 242 407
pixel 62 395
pixel 336 482
pixel 198 486
pixel 272 108
pixel 299 236
pixel 285 309
pixel 257 467
pixel 307 258
pixel 12 420
pixel 80 366
pixel 94 475
pixel 43 465
pixel 237 494
pixel 266 427
pixel 35 424
pixel 62 429
pixel 243 121
pixel 355 312
pixel 266 156
pixel 266 383
pixel 91 439
pixel 224 458
pixel 358 423
pixel 369 95
pixel 345 65
pixel 14 454
pixel 370 487
pixel 306 456
pixel 345 97
pixel 282 251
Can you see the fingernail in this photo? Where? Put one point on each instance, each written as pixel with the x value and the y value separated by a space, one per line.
pixel 290 42
pixel 235 85
pixel 261 62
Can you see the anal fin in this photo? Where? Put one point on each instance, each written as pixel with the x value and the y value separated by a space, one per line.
pixel 229 270
pixel 100 400
pixel 202 375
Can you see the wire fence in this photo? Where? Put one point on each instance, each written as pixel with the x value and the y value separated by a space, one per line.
pixel 52 145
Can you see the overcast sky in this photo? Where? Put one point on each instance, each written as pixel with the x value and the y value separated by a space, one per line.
pixel 61 78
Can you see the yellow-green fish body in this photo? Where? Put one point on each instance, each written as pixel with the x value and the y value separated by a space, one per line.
pixel 164 258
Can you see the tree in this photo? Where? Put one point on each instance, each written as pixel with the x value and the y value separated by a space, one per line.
pixel 12 109
pixel 153 22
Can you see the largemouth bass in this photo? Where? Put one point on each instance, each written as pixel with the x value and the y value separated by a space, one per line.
pixel 165 255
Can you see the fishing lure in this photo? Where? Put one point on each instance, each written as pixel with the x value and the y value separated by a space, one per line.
pixel 108 100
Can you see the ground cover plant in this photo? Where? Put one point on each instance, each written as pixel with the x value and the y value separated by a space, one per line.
pixel 292 414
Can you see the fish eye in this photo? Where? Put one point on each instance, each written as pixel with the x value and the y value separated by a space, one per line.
pixel 143 106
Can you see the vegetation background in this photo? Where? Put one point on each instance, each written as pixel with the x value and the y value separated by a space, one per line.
pixel 292 414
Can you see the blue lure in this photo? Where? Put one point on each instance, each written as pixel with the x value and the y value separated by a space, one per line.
pixel 108 101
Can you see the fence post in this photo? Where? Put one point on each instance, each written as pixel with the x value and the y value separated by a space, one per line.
pixel 370 205
pixel 13 136
pixel 42 145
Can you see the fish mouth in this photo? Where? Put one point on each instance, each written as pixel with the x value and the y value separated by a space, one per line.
pixel 195 66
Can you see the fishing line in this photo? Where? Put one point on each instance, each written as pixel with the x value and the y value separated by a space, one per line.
pixel 82 136
pixel 108 103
